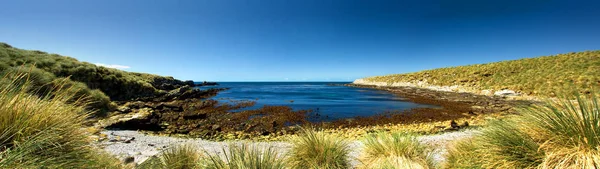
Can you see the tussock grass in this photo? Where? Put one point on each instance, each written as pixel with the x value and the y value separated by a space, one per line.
pixel 44 131
pixel 247 157
pixel 399 150
pixel 570 129
pixel 461 155
pixel 236 156
pixel 316 149
pixel 177 157
pixel 558 134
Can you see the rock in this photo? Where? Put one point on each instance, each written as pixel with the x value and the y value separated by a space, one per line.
pixel 167 86
pixel 205 83
pixel 124 109
pixel 506 92
pixel 194 116
pixel 454 125
pixel 465 124
pixel 135 105
pixel 128 160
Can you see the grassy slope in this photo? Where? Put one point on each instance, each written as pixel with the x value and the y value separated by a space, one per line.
pixel 541 76
pixel 98 82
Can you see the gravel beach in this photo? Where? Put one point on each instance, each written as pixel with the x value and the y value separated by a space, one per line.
pixel 127 143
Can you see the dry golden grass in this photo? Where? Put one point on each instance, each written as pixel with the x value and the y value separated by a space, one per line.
pixel 397 150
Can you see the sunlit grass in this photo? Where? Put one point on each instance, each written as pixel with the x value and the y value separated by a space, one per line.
pixel 44 131
pixel 558 134
pixel 394 149
pixel 541 76
pixel 316 149
pixel 247 157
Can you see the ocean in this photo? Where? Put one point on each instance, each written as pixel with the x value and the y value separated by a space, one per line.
pixel 330 101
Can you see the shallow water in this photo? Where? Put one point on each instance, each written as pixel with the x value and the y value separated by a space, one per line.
pixel 331 102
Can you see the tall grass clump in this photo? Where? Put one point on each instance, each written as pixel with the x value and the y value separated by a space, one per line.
pixel 399 150
pixel 461 154
pixel 247 157
pixel 44 131
pixel 177 157
pixel 316 149
pixel 557 134
pixel 234 157
pixel 568 129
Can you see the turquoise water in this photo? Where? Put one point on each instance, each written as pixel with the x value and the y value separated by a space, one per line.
pixel 331 102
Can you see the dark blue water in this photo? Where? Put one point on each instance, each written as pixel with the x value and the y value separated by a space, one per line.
pixel 331 102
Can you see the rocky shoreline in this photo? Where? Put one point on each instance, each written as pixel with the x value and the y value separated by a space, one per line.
pixel 189 112
pixel 450 106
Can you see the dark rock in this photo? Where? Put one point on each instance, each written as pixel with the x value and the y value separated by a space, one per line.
pixel 195 116
pixel 265 133
pixel 205 83
pixel 466 124
pixel 151 145
pixel 454 125
pixel 128 160
pixel 167 86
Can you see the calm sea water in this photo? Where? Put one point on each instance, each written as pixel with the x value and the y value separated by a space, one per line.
pixel 331 102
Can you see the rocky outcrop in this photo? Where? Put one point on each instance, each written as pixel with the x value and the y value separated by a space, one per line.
pixel 205 83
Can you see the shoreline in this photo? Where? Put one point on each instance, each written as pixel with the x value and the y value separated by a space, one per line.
pixel 208 120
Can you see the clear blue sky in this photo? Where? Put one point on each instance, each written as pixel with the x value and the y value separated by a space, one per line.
pixel 314 40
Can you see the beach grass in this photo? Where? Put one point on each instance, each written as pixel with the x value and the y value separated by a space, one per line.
pixel 44 131
pixel 317 149
pixel 397 150
pixel 246 156
pixel 561 133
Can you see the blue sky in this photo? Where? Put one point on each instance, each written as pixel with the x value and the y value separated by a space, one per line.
pixel 303 40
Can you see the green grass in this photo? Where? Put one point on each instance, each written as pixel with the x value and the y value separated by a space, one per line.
pixel 315 149
pixel 558 134
pixel 177 157
pixel 99 84
pixel 235 157
pixel 398 150
pixel 541 76
pixel 247 157
pixel 44 131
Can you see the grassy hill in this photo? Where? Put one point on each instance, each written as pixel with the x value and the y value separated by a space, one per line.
pixel 48 71
pixel 541 76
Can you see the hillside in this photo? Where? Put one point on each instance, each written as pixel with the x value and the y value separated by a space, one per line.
pixel 101 84
pixel 542 76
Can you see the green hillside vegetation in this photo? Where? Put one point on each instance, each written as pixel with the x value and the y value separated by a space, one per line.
pixel 541 76
pixel 101 84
